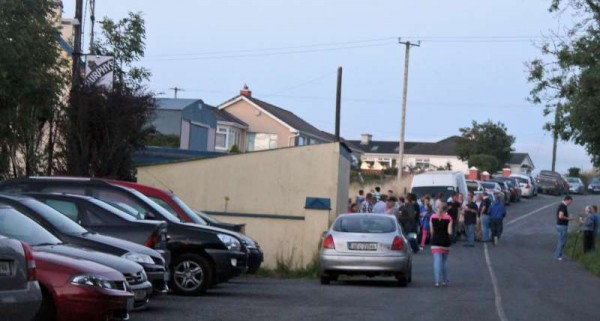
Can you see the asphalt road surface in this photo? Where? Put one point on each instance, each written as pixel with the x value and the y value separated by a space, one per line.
pixel 516 280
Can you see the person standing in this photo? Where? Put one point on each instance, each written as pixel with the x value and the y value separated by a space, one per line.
pixel 562 226
pixel 470 220
pixel 441 229
pixel 367 205
pixel 390 207
pixel 360 198
pixel 379 206
pixel 587 228
pixel 425 217
pixel 497 215
pixel 485 217
pixel 453 210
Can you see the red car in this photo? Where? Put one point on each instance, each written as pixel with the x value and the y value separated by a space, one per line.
pixel 81 290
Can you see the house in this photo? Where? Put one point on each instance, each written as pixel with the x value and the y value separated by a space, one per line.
pixel 520 163
pixel 270 126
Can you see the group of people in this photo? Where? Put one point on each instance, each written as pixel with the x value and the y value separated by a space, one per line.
pixel 438 220
pixel 589 226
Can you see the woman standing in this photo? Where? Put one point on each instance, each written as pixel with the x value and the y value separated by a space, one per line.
pixel 441 228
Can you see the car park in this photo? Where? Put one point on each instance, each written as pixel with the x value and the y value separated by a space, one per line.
pixel 201 256
pixel 594 186
pixel 17 225
pixel 170 202
pixel 20 293
pixel 527 184
pixel 364 244
pixel 70 232
pixel 576 185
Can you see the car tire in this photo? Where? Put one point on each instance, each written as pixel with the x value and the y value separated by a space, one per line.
pixel 184 275
pixel 325 279
pixel 402 280
pixel 47 311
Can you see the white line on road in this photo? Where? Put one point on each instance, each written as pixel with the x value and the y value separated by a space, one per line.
pixel 498 297
pixel 529 214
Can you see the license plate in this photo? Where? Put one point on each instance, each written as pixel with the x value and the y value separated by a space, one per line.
pixel 356 246
pixel 4 268
pixel 139 295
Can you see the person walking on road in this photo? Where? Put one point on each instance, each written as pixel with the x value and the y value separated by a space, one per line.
pixel 485 217
pixel 587 227
pixel 425 217
pixel 497 215
pixel 562 226
pixel 441 229
pixel 454 207
pixel 470 220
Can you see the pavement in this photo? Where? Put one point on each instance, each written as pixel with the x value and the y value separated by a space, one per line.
pixel 516 280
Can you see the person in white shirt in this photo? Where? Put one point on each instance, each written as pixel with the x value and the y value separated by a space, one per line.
pixel 379 207
pixel 367 205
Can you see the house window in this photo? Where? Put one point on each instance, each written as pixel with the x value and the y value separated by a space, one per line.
pixel 260 141
pixel 422 163
pixel 301 141
pixel 226 138
pixel 313 141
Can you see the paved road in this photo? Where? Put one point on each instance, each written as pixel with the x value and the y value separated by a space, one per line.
pixel 518 281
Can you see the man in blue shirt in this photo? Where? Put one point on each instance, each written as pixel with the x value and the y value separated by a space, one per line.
pixel 497 213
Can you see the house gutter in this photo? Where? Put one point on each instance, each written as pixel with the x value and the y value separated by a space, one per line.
pixel 292 137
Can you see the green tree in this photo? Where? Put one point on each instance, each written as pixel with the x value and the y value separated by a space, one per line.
pixel 574 172
pixel 487 138
pixel 32 77
pixel 567 78
pixel 484 162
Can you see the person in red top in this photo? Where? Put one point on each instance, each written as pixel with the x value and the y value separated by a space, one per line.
pixel 441 229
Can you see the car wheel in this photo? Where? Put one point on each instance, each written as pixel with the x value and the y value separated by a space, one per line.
pixel 325 279
pixel 402 280
pixel 47 311
pixel 191 274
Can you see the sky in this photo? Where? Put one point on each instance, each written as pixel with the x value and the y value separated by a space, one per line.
pixel 470 65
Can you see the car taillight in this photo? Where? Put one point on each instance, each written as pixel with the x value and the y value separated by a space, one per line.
pixel 397 244
pixel 328 243
pixel 31 270
pixel 153 240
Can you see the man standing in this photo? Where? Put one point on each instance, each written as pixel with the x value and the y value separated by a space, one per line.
pixel 470 220
pixel 497 214
pixel 367 205
pixel 484 212
pixel 379 206
pixel 562 226
pixel 453 210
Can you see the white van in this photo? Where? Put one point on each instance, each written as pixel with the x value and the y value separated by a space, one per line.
pixel 445 182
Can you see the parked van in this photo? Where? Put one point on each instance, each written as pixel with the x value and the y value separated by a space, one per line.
pixel 445 182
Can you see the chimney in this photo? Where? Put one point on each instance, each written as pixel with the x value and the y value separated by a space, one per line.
pixel 245 91
pixel 365 139
pixel 506 172
pixel 485 176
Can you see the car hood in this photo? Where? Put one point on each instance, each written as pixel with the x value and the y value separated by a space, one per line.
pixel 122 265
pixel 124 245
pixel 216 230
pixel 47 260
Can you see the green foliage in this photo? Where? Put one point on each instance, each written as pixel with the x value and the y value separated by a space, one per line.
pixel 285 268
pixel 484 162
pixel 32 77
pixel 234 149
pixel 566 79
pixel 589 261
pixel 157 139
pixel 487 138
pixel 392 171
pixel 574 172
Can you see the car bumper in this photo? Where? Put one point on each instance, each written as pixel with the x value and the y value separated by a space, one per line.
pixel 526 192
pixel 228 264
pixel 353 264
pixel 21 304
pixel 166 255
pixel 93 304
pixel 255 259
pixel 158 276
pixel 141 292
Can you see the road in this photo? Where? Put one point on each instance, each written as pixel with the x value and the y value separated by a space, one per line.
pixel 516 280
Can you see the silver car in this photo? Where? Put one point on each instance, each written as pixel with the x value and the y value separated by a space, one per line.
pixel 20 295
pixel 575 185
pixel 365 244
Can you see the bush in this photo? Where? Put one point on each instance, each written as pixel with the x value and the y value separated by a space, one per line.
pixel 574 171
pixel 391 171
pixel 484 162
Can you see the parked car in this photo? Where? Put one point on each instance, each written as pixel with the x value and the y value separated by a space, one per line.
pixel 575 185
pixel 474 186
pixel 550 182
pixel 20 294
pixel 76 289
pixel 179 208
pixel 17 225
pixel 70 232
pixel 506 193
pixel 514 187
pixel 200 255
pixel 369 245
pixel 527 184
pixel 594 186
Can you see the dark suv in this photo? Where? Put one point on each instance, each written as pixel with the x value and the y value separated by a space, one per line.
pixel 200 256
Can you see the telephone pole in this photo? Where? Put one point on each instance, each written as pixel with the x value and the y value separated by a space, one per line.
pixel 92 22
pixel 77 43
pixel 407 44
pixel 176 90
pixel 555 134
pixel 338 104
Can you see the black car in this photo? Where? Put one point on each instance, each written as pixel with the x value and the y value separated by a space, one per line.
pixel 200 256
pixel 70 232
pixel 15 224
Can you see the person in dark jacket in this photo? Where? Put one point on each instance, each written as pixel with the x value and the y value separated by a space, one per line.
pixel 497 215
pixel 441 230
pixel 470 220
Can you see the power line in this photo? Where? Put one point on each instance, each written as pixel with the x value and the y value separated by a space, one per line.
pixel 301 84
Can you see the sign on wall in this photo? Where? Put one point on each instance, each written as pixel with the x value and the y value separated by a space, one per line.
pixel 99 70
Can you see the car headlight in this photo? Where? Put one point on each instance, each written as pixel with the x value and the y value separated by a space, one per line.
pixel 230 242
pixel 93 280
pixel 138 258
pixel 249 243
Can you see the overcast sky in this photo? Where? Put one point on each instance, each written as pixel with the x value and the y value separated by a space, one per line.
pixel 470 65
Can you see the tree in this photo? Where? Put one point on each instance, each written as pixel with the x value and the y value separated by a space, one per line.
pixel 32 77
pixel 484 162
pixel 574 172
pixel 485 139
pixel 566 79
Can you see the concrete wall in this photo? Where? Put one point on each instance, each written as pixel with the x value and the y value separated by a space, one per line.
pixel 267 191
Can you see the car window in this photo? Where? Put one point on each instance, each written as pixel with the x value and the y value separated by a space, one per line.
pixel 164 205
pixel 55 218
pixel 64 190
pixel 69 209
pixel 365 224
pixel 18 226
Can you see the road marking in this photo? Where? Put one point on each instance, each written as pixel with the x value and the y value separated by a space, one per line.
pixel 498 297
pixel 529 214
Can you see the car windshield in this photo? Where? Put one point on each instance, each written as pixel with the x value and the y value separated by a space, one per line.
pixel 522 180
pixel 489 185
pixel 16 225
pixel 190 212
pixel 55 218
pixel 365 224
pixel 421 191
pixel 573 180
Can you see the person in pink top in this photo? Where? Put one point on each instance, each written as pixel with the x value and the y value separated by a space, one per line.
pixel 440 226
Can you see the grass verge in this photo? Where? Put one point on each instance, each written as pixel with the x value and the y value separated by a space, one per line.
pixel 285 269
pixel 590 261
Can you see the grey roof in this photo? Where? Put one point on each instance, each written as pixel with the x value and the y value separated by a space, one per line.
pixel 519 158
pixel 176 103
pixel 445 147
pixel 222 115
pixel 381 146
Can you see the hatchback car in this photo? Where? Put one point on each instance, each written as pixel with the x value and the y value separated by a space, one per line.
pixel 365 244
pixel 575 185
pixel 20 295
pixel 594 186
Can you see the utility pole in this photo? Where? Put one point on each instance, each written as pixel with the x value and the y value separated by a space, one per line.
pixel 555 134
pixel 77 43
pixel 176 90
pixel 338 104
pixel 407 44
pixel 92 22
